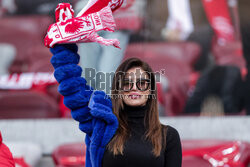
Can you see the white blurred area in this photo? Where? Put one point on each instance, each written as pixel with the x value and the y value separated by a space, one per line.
pixel 7 6
pixel 8 53
pixel 179 23
pixel 29 151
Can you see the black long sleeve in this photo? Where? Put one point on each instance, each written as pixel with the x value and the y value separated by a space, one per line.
pixel 138 151
pixel 173 154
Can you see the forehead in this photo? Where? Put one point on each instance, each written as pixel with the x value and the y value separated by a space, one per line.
pixel 136 72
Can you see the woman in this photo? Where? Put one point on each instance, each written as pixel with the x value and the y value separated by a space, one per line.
pixel 140 140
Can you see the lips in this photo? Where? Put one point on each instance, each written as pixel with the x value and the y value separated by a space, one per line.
pixel 134 96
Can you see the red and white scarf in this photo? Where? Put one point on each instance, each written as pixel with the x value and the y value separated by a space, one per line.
pixel 94 17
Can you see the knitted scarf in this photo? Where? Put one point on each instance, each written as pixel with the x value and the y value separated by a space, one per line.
pixel 95 16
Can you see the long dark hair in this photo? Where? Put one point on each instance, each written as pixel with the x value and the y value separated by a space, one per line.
pixel 155 131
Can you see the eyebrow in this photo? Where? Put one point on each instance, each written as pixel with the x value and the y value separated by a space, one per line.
pixel 144 79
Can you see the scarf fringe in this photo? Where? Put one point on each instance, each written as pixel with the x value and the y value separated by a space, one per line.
pixel 107 18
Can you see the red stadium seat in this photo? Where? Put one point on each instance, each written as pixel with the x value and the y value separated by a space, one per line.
pixel 131 23
pixel 42 65
pixel 22 41
pixel 209 153
pixel 39 59
pixel 36 25
pixel 193 161
pixel 24 33
pixel 196 153
pixel 69 155
pixel 39 52
pixel 186 52
pixel 27 104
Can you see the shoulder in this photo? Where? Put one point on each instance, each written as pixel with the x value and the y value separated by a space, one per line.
pixel 172 135
pixel 173 148
pixel 171 130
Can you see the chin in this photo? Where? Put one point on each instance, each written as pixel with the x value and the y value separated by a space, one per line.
pixel 135 103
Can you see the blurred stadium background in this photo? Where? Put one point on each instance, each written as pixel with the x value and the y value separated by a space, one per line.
pixel 200 47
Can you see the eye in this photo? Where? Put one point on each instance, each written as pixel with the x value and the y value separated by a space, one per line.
pixel 143 84
pixel 144 81
pixel 127 84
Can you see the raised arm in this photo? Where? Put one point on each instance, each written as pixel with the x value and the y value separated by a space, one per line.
pixel 71 85
pixel 93 110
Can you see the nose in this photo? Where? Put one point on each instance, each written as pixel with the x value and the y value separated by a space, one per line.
pixel 134 86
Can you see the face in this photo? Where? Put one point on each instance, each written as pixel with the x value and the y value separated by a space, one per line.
pixel 136 87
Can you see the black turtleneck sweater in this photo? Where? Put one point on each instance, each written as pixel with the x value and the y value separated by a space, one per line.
pixel 138 152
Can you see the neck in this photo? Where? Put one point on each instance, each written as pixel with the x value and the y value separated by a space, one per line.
pixel 136 118
pixel 135 111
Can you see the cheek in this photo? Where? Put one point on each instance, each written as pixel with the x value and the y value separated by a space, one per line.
pixel 146 93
